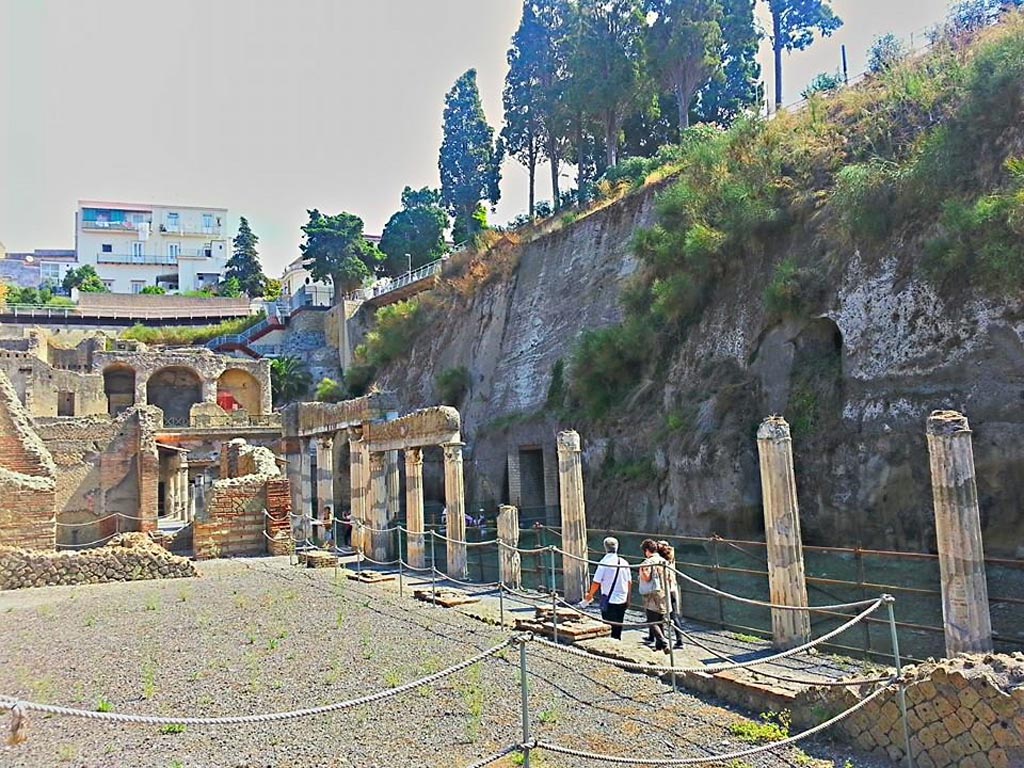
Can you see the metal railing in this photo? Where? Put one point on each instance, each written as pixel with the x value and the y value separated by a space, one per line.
pixel 274 320
pixel 124 226
pixel 385 286
pixel 38 310
pixel 135 258
pixel 208 421
pixel 188 229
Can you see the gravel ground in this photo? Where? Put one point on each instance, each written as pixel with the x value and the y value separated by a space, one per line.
pixel 255 636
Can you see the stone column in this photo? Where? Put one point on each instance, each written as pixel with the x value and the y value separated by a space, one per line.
pixel 301 524
pixel 293 451
pixel 381 551
pixel 455 501
pixel 414 506
pixel 509 561
pixel 575 569
pixel 324 480
pixel 359 459
pixel 394 486
pixel 782 532
pixel 965 613
pixel 182 493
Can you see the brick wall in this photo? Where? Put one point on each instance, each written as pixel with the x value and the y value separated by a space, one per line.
pixel 161 306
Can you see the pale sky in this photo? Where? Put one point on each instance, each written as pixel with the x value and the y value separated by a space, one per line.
pixel 268 107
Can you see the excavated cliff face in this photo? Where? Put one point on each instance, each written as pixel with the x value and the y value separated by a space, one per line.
pixel 856 380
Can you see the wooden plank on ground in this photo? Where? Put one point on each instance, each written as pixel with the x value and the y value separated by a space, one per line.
pixel 447 598
pixel 370 577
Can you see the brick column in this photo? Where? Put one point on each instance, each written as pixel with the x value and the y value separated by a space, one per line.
pixel 414 506
pixel 455 501
pixel 324 480
pixel 381 551
pixel 509 562
pixel 965 613
pixel 302 527
pixel 782 533
pixel 575 569
pixel 359 460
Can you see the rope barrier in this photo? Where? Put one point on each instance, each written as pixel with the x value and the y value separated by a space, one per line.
pixel 747 600
pixel 59 524
pixel 83 544
pixel 13 704
pixel 441 536
pixel 723 666
pixel 714 758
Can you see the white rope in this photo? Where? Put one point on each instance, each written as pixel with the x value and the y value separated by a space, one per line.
pixel 84 544
pixel 487 543
pixel 10 703
pixel 59 524
pixel 720 667
pixel 495 757
pixel 714 758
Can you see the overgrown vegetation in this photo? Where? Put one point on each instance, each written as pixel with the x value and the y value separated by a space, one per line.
pixel 394 330
pixel 331 391
pixel 854 170
pixel 452 385
pixel 189 334
pixel 773 726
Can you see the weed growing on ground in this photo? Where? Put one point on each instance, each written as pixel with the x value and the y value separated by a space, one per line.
pixel 152 603
pixel 90 621
pixel 774 726
pixel 148 679
pixel 473 698
pixel 173 728
pixel 743 638
pixel 66 753
pixel 339 619
pixel 549 716
pixel 103 705
pixel 392 679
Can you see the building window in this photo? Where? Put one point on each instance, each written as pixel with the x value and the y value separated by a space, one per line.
pixel 50 272
pixel 109 285
pixel 138 285
pixel 138 251
pixel 107 248
pixel 173 251
pixel 173 223
pixel 207 223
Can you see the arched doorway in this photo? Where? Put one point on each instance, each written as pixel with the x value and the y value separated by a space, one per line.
pixel 119 387
pixel 174 390
pixel 239 389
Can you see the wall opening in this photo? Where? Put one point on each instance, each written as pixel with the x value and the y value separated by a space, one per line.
pixel 531 484
pixel 119 387
pixel 239 389
pixel 174 390
pixel 65 403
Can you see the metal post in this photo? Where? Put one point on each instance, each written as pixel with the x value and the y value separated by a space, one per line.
pixel 433 571
pixel 718 583
pixel 524 696
pixel 667 621
pixel 401 587
pixel 901 692
pixel 501 603
pixel 863 596
pixel 554 598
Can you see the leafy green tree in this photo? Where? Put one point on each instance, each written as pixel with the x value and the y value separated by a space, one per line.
pixel 684 48
pixel 794 23
pixel 740 88
pixel 272 289
pixel 331 391
pixel 824 82
pixel 153 290
pixel 416 231
pixel 470 160
pixel 230 288
pixel 336 251
pixel 289 379
pixel 244 264
pixel 84 279
pixel 607 67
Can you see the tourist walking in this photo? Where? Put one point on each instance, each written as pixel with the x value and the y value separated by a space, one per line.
pixel 346 527
pixel 652 588
pixel 612 581
pixel 675 605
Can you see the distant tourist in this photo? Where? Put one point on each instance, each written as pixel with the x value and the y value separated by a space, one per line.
pixel 651 586
pixel 675 605
pixel 612 581
pixel 346 527
pixel 327 525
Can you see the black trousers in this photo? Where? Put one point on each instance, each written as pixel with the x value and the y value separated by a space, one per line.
pixel 615 612
pixel 658 619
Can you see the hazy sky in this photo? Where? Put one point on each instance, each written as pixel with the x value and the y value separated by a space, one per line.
pixel 271 107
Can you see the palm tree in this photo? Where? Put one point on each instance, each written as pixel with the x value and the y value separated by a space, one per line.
pixel 289 379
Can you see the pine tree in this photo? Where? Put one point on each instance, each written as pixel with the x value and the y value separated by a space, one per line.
pixel 336 251
pixel 414 235
pixel 470 160
pixel 244 264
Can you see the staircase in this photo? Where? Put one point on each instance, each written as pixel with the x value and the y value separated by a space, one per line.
pixel 276 319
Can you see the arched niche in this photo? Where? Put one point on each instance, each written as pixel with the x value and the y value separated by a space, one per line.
pixel 119 387
pixel 239 389
pixel 174 390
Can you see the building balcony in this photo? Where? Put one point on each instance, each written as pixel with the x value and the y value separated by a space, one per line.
pixel 135 258
pixel 116 226
pixel 190 230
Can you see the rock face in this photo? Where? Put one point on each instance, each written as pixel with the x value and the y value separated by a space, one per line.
pixel 856 381
pixel 127 557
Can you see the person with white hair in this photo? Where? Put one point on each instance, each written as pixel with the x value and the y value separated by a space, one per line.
pixel 612 581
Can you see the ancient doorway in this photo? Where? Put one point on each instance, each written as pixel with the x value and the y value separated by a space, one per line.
pixel 175 390
pixel 119 387
pixel 65 403
pixel 531 484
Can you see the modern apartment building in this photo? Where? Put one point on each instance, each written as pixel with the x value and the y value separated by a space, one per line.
pixel 134 245
pixel 36 268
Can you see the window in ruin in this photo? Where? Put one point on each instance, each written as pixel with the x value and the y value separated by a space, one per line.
pixel 65 403
pixel 119 387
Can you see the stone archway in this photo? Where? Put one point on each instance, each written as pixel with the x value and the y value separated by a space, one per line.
pixel 174 390
pixel 239 389
pixel 119 387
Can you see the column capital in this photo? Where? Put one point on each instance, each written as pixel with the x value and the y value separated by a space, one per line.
pixel 413 457
pixel 327 440
pixel 354 434
pixel 568 440
pixel 378 460
pixel 774 428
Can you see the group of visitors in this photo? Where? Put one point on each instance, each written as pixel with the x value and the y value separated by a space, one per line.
pixel 656 583
pixel 331 526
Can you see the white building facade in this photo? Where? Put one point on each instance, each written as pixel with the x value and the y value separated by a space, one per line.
pixel 132 245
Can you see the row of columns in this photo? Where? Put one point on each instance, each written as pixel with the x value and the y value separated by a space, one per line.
pixel 179 503
pixel 965 610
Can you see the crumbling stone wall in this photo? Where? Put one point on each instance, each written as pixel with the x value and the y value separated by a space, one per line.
pixel 967 711
pixel 104 467
pixel 39 386
pixel 127 557
pixel 243 513
pixel 27 477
